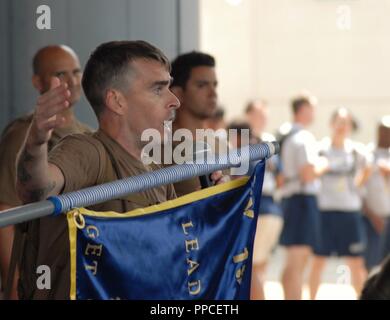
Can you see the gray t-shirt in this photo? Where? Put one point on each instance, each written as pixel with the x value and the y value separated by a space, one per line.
pixel 299 149
pixel 338 188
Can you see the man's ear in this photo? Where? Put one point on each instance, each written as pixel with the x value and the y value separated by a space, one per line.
pixel 37 83
pixel 178 92
pixel 116 102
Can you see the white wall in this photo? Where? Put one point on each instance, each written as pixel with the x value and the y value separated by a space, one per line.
pixel 275 48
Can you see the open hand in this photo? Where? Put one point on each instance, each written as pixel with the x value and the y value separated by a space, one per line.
pixel 47 114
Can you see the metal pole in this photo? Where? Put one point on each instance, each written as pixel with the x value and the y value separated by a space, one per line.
pixel 112 190
pixel 27 212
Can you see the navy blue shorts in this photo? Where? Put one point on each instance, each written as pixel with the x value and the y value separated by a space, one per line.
pixel 342 234
pixel 269 206
pixel 301 221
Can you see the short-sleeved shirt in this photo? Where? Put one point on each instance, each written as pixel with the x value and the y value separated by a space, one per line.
pixel 85 160
pixel 378 186
pixel 338 189
pixel 10 144
pixel 299 149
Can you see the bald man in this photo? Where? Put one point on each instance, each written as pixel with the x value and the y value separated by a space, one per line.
pixel 51 61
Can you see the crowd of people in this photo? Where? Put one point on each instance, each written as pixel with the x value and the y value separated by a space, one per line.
pixel 320 198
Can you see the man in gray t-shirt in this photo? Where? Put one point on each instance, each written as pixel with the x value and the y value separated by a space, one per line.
pixel 301 217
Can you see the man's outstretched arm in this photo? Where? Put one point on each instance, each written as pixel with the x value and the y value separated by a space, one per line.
pixel 36 178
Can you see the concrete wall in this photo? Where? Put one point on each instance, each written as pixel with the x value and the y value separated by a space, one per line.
pixel 275 48
pixel 172 25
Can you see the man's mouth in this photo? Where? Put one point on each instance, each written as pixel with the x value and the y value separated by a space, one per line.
pixel 172 117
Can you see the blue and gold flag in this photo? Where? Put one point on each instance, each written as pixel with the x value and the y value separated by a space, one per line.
pixel 198 246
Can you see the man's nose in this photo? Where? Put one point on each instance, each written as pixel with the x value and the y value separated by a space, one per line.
pixel 175 102
pixel 213 92
pixel 71 80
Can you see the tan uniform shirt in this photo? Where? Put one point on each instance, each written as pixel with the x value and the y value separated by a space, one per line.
pixel 10 144
pixel 84 161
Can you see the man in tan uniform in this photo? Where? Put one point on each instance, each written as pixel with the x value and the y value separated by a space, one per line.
pixel 127 84
pixel 56 60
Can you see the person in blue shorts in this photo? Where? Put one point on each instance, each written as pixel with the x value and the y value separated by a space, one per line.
pixel 301 217
pixel 340 202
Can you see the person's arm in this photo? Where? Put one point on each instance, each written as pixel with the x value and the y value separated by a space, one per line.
pixel 36 178
pixel 363 176
pixel 314 164
pixel 280 180
pixel 365 167
pixel 384 168
pixel 278 174
pixel 6 238
pixel 309 172
pixel 377 221
pixel 6 241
